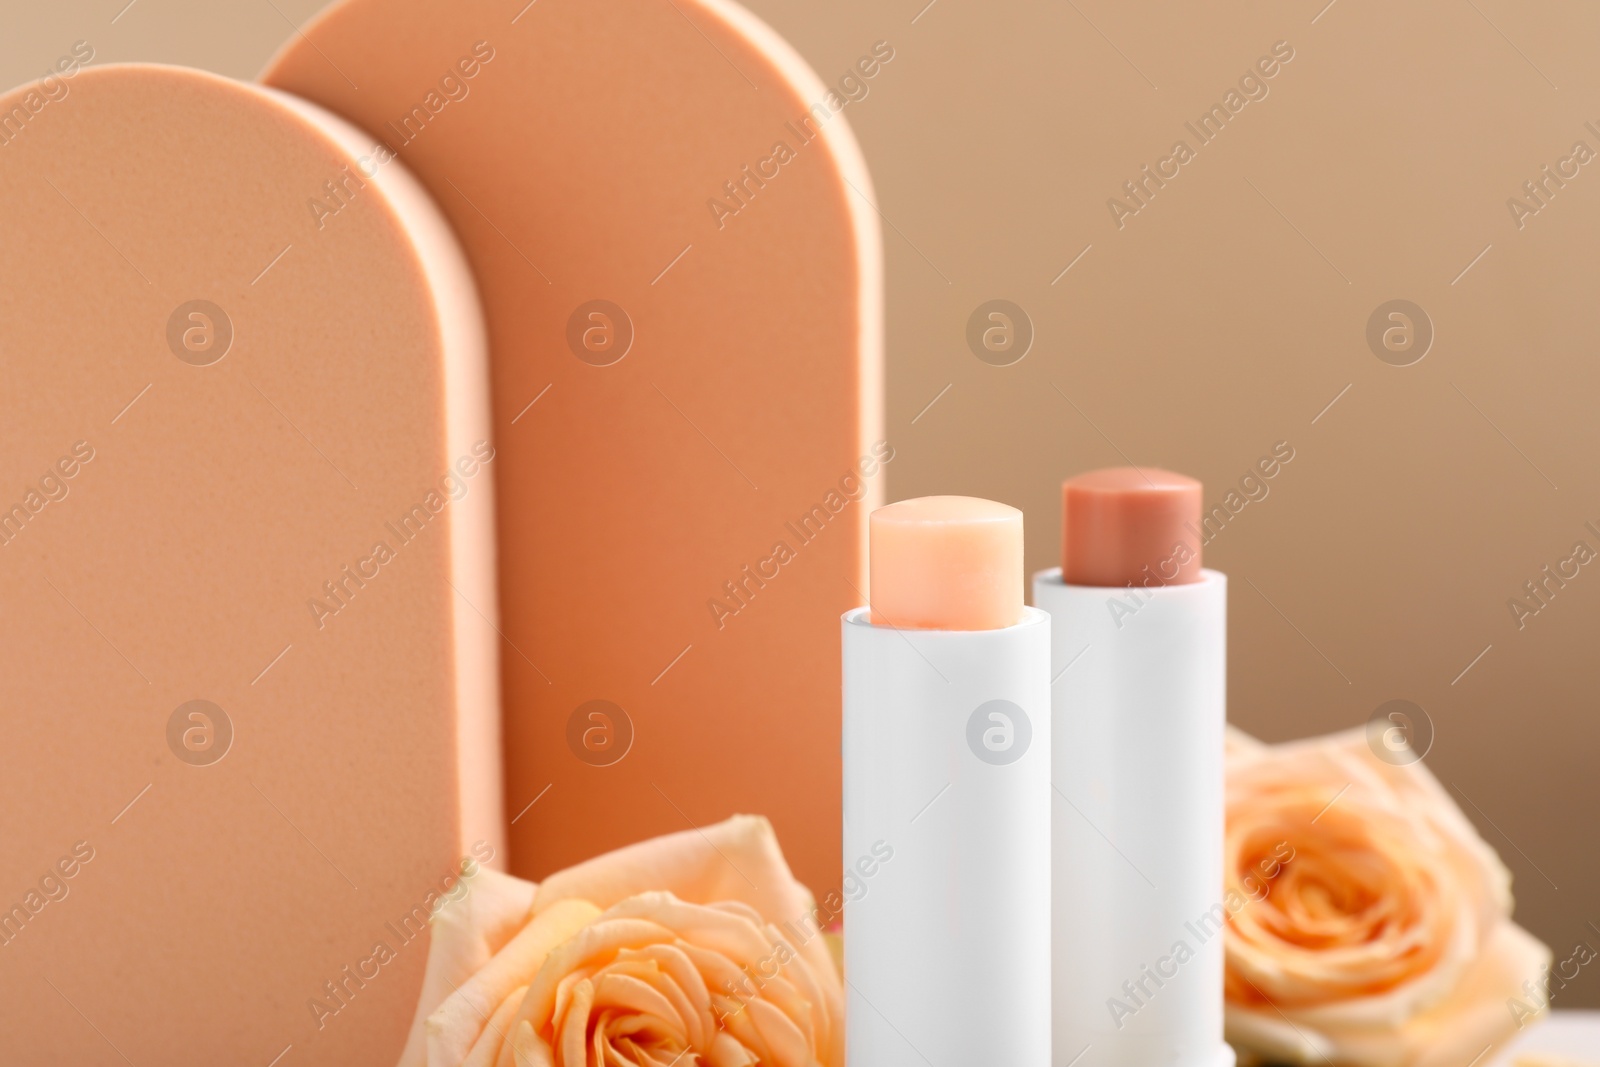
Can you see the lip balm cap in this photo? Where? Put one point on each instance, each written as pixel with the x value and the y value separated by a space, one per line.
pixel 1117 522
pixel 946 563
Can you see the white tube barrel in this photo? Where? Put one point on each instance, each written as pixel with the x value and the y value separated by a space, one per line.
pixel 947 748
pixel 1139 711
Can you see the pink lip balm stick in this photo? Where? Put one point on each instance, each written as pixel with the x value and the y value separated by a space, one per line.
pixel 947 794
pixel 1139 662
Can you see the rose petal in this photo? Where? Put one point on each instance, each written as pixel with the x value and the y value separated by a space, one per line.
pixel 574 1027
pixel 1272 1038
pixel 1385 941
pixel 735 934
pixel 1476 1015
pixel 727 1052
pixel 454 1028
pixel 463 936
pixel 734 860
pixel 738 859
pixel 741 1024
pixel 779 1033
pixel 634 957
pixel 670 974
pixel 486 1052
pixel 525 1049
pixel 460 1019
pixel 595 942
pixel 724 978
pixel 1454 1032
pixel 628 993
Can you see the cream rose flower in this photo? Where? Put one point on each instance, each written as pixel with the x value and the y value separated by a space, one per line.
pixel 1378 931
pixel 697 949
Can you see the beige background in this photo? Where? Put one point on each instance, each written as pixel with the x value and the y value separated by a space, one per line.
pixel 1225 317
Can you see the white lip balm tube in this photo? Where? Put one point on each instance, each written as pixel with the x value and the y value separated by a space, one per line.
pixel 1139 666
pixel 946 752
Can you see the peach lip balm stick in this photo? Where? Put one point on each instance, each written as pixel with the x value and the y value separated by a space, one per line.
pixel 947 794
pixel 1139 668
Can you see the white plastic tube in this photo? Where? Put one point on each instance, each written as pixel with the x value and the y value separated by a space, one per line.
pixel 947 745
pixel 1139 710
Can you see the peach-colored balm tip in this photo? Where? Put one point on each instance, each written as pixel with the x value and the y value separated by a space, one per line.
pixel 1130 525
pixel 946 563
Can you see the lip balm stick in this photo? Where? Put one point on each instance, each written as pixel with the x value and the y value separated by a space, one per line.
pixel 1139 662
pixel 947 794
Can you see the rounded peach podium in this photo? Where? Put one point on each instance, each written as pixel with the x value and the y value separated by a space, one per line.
pixel 246 661
pixel 676 240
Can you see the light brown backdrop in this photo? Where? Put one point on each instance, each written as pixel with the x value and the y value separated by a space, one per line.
pixel 1226 316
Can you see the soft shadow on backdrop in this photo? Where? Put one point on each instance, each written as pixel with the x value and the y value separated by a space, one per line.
pixel 1221 312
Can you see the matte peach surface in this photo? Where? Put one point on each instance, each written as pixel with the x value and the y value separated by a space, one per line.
pixel 947 563
pixel 1125 525
pixel 684 472
pixel 243 746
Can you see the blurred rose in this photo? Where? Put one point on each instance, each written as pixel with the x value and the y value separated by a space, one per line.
pixel 1384 937
pixel 697 948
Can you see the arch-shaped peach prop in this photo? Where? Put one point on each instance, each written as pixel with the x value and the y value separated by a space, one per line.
pixel 694 948
pixel 1384 939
